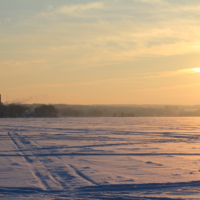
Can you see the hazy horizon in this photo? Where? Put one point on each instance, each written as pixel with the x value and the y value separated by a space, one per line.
pixel 25 103
pixel 85 52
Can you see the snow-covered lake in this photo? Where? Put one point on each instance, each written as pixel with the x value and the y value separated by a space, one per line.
pixel 100 158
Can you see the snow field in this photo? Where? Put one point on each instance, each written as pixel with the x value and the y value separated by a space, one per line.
pixel 100 158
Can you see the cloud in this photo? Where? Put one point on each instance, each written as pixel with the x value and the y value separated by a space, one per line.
pixel 145 76
pixel 8 19
pixel 73 10
pixel 135 76
pixel 150 1
pixel 170 73
pixel 35 86
pixel 171 87
pixel 79 7
pixel 50 8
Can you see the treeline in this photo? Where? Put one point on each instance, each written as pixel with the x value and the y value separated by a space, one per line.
pixel 126 111
pixel 62 110
pixel 18 110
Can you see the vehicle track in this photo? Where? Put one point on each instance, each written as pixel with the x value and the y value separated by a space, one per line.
pixel 83 176
pixel 43 175
pixel 68 176
pixel 59 171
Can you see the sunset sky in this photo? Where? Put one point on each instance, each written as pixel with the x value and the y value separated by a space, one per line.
pixel 100 52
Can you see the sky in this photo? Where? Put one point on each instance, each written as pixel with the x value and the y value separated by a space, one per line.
pixel 100 52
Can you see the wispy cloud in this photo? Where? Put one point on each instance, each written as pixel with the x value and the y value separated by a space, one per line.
pixel 151 75
pixel 34 86
pixel 150 1
pixel 79 7
pixel 170 87
pixel 77 44
pixel 146 76
pixel 22 67
pixel 70 10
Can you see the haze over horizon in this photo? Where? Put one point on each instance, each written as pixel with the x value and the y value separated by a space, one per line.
pixel 100 52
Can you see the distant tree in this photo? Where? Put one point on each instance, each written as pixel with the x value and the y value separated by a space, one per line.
pixel 16 110
pixel 94 112
pixel 122 114
pixel 46 111
pixel 3 111
pixel 70 112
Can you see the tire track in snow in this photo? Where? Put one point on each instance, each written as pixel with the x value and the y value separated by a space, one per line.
pixel 48 163
pixel 83 176
pixel 63 174
pixel 97 154
pixel 139 187
pixel 40 171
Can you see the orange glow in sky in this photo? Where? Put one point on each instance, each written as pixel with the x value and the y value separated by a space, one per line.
pixel 197 70
pixel 100 52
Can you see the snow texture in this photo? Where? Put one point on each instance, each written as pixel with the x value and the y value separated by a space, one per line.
pixel 100 158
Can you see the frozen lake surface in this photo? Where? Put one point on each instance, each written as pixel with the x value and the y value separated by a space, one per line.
pixel 100 158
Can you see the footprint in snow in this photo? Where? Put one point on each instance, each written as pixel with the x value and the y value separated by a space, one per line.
pixel 15 164
pixel 149 162
pixel 86 167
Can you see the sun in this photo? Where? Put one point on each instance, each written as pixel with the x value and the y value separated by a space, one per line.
pixel 197 70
